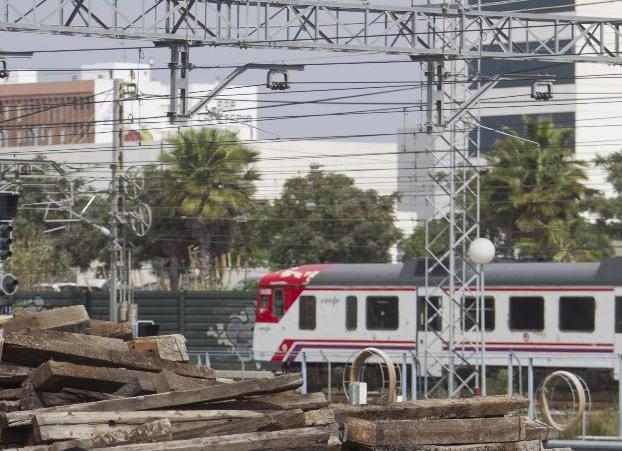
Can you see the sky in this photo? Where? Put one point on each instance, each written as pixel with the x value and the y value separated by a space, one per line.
pixel 400 77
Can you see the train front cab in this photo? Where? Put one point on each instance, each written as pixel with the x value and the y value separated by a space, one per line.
pixel 332 322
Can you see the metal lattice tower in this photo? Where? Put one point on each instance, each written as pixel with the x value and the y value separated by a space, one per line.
pixel 453 351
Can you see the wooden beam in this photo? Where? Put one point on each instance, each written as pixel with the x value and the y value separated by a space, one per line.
pixel 241 375
pixel 537 430
pixel 168 347
pixel 72 396
pixel 54 376
pixel 30 398
pixel 284 382
pixel 13 375
pixel 435 432
pixel 281 401
pixel 45 429
pixel 166 381
pixel 294 439
pixel 121 330
pixel 69 419
pixel 529 445
pixel 11 394
pixel 199 396
pixel 478 407
pixel 154 431
pixel 71 319
pixel 39 346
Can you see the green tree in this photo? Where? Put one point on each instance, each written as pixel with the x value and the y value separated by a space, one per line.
pixel 201 190
pixel 324 217
pixel 610 208
pixel 534 202
pixel 534 198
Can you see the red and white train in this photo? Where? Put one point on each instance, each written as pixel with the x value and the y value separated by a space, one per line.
pixel 562 314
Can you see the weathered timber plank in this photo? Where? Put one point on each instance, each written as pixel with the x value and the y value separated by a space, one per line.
pixel 30 398
pixel 168 347
pixel 13 374
pixel 281 420
pixel 68 419
pixel 134 388
pixel 17 324
pixel 478 407
pixel 121 330
pixel 241 375
pixel 54 376
pixel 319 417
pixel 530 445
pixel 295 439
pixel 11 394
pixel 71 319
pixel 435 432
pixel 72 396
pixel 154 431
pixel 166 381
pixel 38 346
pixel 162 401
pixel 202 395
pixel 10 405
pixel 536 430
pixel 281 401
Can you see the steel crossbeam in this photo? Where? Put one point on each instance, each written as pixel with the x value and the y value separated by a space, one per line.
pixel 326 25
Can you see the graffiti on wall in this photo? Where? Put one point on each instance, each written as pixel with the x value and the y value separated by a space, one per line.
pixel 236 334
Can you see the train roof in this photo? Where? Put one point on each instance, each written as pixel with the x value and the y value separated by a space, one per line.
pixel 608 272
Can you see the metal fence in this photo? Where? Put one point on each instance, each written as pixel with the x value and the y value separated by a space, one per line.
pixel 216 323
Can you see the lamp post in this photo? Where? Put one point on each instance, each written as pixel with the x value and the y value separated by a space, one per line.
pixel 481 252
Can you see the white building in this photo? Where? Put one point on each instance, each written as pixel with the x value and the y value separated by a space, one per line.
pixel 235 108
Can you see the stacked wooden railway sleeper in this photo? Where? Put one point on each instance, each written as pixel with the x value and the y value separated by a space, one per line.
pixel 69 382
pixel 493 423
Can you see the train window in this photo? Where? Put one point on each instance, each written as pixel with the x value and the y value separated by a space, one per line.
pixel 306 318
pixel 433 310
pixel 618 313
pixel 351 312
pixel 277 303
pixel 382 313
pixel 576 313
pixel 526 313
pixel 470 310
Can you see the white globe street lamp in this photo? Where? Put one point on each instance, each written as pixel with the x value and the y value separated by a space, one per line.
pixel 481 252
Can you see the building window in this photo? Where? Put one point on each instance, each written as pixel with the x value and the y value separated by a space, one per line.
pixel 306 318
pixel 382 313
pixel 576 313
pixel 351 313
pixel 277 303
pixel 3 139
pixel 433 310
pixel 527 313
pixel 470 313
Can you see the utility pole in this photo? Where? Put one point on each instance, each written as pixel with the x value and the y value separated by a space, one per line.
pixel 116 251
pixel 124 185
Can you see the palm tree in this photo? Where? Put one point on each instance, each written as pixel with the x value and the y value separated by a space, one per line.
pixel 214 175
pixel 532 197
